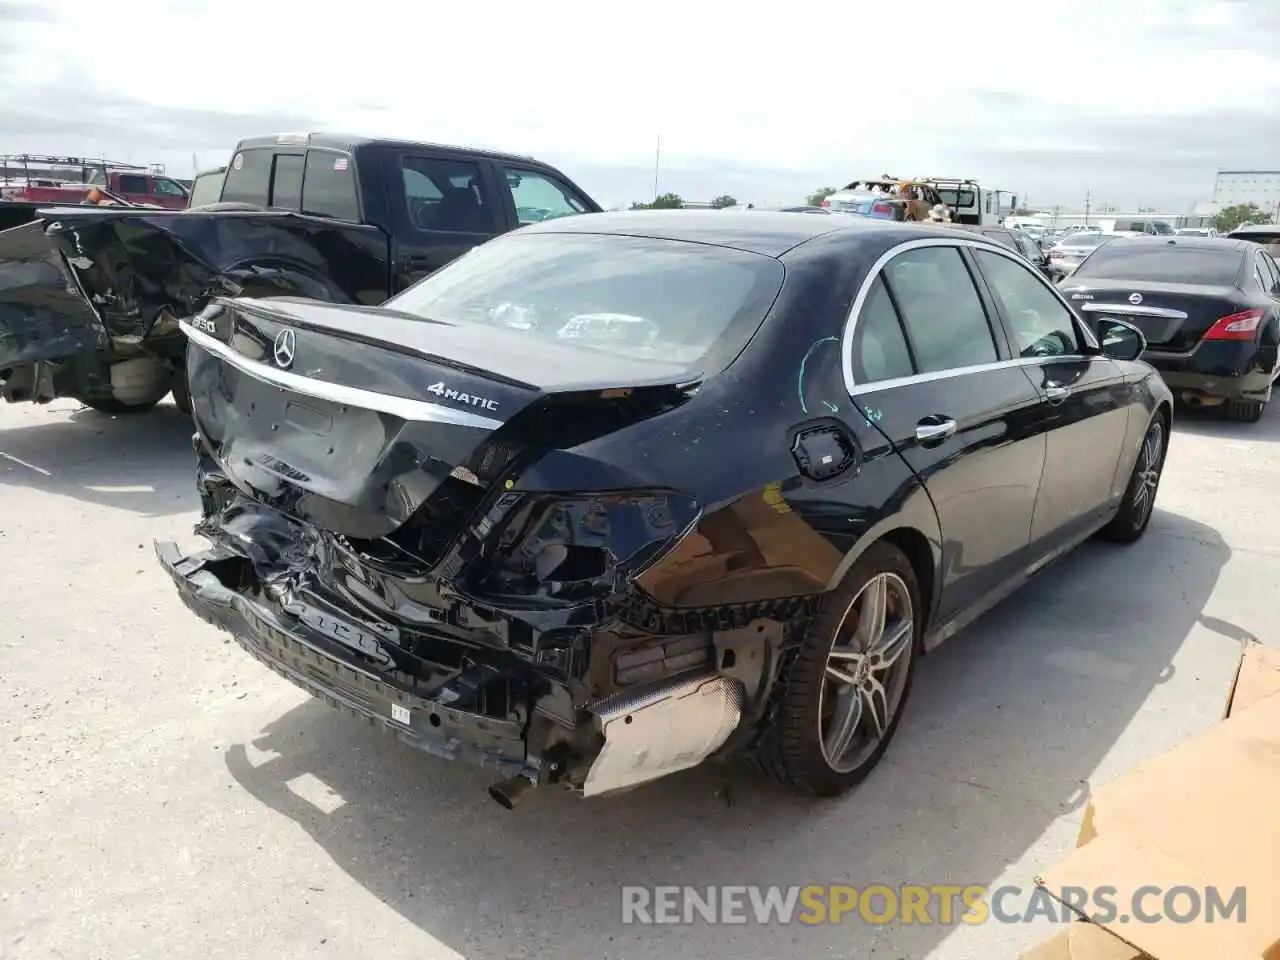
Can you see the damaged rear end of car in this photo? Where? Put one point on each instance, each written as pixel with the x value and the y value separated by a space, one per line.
pixel 406 519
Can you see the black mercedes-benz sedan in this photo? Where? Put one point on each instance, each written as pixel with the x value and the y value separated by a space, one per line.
pixel 1208 307
pixel 618 493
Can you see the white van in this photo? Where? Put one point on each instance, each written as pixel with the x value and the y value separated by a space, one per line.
pixel 971 203
pixel 1136 227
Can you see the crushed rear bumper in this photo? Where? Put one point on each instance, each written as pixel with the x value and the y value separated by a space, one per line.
pixel 619 742
pixel 326 670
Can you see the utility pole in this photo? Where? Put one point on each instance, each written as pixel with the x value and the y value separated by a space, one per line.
pixel 657 163
pixel 1088 196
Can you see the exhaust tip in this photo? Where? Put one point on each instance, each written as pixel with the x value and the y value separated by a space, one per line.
pixel 508 793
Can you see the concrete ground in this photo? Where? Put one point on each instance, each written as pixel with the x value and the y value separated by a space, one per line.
pixel 164 796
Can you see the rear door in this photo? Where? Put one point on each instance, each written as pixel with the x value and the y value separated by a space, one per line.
pixel 929 366
pixel 444 204
pixel 1087 401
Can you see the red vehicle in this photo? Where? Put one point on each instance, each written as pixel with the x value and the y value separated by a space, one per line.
pixel 47 180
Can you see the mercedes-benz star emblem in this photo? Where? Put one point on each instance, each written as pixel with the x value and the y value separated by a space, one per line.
pixel 1135 298
pixel 284 349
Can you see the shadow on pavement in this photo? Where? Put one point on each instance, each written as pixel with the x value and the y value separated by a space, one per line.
pixel 1008 723
pixel 1210 422
pixel 140 462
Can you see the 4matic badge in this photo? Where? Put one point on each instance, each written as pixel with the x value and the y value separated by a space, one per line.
pixel 440 390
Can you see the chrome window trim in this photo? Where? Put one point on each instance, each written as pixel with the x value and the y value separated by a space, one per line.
pixel 853 388
pixel 1134 310
pixel 416 411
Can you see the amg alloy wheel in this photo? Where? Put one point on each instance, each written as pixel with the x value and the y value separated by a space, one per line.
pixel 1140 496
pixel 865 673
pixel 845 688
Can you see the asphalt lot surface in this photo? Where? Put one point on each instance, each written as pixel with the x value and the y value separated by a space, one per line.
pixel 165 796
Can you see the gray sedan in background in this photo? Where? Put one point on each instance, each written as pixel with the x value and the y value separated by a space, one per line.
pixel 1070 251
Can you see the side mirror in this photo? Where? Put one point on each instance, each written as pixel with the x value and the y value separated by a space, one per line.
pixel 1120 340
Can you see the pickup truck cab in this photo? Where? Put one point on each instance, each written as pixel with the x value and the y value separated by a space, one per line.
pixel 431 202
pixel 342 219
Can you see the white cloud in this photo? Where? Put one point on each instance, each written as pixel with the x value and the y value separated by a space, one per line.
pixel 804 85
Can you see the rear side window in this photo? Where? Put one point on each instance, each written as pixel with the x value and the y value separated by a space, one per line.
pixel 881 351
pixel 449 196
pixel 286 182
pixel 945 320
pixel 329 186
pixel 248 178
pixel 1161 262
pixel 129 183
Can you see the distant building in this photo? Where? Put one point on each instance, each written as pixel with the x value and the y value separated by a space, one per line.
pixel 1259 187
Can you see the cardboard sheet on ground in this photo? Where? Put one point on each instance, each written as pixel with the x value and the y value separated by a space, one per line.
pixel 1207 813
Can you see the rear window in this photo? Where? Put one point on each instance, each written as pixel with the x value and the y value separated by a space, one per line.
pixel 1160 262
pixel 329 186
pixel 286 182
pixel 1084 240
pixel 248 177
pixel 635 296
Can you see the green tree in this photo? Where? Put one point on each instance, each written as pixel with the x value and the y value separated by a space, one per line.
pixel 720 203
pixel 816 198
pixel 1228 218
pixel 664 201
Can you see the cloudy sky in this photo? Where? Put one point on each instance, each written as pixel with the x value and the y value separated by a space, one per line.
pixel 1137 102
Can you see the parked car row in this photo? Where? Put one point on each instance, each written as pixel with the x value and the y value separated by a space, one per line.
pixel 604 497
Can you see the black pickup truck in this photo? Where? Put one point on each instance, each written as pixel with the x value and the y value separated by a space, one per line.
pixel 90 296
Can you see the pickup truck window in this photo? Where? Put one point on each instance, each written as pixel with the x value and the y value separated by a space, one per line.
pixel 447 195
pixel 207 188
pixel 286 182
pixel 167 188
pixel 537 196
pixel 130 183
pixel 248 177
pixel 329 186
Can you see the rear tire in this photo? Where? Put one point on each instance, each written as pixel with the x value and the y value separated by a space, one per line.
pixel 1245 411
pixel 850 675
pixel 1139 501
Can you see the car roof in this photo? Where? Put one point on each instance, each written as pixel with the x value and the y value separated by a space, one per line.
pixel 757 231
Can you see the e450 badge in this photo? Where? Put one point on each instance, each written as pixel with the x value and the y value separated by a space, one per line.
pixel 457 396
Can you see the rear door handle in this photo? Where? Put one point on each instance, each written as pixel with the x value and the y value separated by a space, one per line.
pixel 934 429
pixel 1055 395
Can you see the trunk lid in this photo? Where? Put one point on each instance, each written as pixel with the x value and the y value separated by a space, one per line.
pixel 1172 316
pixel 360 420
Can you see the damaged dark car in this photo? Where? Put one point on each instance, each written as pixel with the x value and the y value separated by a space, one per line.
pixel 91 296
pixel 614 495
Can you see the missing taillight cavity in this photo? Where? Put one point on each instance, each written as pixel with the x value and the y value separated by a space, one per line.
pixel 1236 326
pixel 573 548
